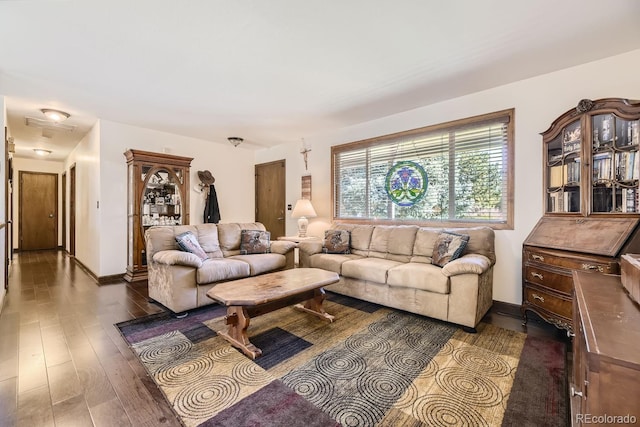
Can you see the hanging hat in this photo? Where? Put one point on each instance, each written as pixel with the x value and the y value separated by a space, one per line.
pixel 206 177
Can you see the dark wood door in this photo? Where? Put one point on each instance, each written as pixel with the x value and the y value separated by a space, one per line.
pixel 270 196
pixel 64 211
pixel 38 208
pixel 72 210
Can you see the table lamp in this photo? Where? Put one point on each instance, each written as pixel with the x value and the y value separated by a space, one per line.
pixel 303 210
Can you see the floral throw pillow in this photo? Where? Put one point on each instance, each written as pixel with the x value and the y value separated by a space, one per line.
pixel 188 242
pixel 255 242
pixel 336 242
pixel 448 247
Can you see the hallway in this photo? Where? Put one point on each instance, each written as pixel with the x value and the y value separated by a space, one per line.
pixel 62 362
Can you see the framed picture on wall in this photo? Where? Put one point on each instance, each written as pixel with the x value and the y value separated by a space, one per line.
pixel 306 187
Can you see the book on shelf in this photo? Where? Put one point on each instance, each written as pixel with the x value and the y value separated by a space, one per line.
pixel 629 200
pixel 564 201
pixel 602 166
pixel 557 175
pixel 573 172
pixel 602 199
pixel 555 202
pixel 627 167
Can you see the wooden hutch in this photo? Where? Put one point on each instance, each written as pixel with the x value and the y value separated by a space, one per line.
pixel 591 165
pixel 158 194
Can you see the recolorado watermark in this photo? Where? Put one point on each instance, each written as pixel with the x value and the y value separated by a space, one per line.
pixel 605 419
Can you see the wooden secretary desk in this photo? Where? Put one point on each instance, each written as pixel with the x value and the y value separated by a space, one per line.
pixel 591 164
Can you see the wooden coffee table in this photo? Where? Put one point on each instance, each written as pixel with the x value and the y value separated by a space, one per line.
pixel 254 296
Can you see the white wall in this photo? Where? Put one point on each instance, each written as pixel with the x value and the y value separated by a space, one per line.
pixel 34 165
pixel 537 102
pixel 89 233
pixel 232 167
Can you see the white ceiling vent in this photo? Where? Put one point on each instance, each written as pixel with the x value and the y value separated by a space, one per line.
pixel 48 125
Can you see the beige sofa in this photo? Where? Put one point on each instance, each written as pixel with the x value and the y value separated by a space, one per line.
pixel 391 266
pixel 180 280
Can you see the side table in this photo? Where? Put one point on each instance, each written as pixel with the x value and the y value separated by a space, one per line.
pixel 297 240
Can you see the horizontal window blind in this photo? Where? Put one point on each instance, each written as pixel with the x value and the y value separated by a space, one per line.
pixel 467 167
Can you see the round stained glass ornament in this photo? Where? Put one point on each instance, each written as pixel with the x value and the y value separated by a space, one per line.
pixel 406 183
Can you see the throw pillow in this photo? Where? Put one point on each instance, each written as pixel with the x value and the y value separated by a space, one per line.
pixel 188 242
pixel 255 242
pixel 336 242
pixel 448 247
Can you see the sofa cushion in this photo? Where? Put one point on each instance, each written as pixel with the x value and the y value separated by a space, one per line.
pixel 448 247
pixel 336 242
pixel 219 269
pixel 254 242
pixel 360 237
pixel 380 241
pixel 262 263
pixel 423 246
pixel 163 238
pixel 188 242
pixel 401 242
pixel 418 275
pixel 481 241
pixel 373 269
pixel 175 257
pixel 229 235
pixel 208 239
pixel 331 262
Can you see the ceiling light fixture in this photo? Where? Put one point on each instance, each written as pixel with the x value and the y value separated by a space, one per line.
pixel 42 151
pixel 55 115
pixel 235 141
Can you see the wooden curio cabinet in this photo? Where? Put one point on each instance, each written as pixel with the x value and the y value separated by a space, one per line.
pixel 591 171
pixel 158 194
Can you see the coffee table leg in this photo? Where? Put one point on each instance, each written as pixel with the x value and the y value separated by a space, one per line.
pixel 238 321
pixel 314 306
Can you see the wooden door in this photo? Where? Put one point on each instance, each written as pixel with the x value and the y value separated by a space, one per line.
pixel 72 210
pixel 270 196
pixel 38 208
pixel 64 211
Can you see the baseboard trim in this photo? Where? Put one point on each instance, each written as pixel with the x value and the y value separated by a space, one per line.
pixel 109 280
pixel 100 280
pixel 508 309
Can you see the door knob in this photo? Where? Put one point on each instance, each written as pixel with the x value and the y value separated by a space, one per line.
pixel 50 215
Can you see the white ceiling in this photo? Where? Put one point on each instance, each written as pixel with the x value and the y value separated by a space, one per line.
pixel 277 71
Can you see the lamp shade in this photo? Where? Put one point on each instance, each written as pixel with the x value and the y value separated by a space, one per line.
pixel 303 208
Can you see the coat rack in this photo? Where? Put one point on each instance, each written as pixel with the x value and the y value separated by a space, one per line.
pixel 206 179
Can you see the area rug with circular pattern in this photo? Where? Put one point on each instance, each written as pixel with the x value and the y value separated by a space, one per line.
pixel 373 366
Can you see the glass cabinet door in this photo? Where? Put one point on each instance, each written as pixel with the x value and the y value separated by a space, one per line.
pixel 161 202
pixel 615 164
pixel 563 161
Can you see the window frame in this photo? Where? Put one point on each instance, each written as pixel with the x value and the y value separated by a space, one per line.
pixel 508 224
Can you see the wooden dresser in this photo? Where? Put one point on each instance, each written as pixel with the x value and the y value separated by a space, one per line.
pixel 557 246
pixel 605 381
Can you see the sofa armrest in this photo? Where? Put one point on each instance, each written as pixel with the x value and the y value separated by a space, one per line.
pixel 282 247
pixel 467 264
pixel 306 249
pixel 175 257
pixel 310 248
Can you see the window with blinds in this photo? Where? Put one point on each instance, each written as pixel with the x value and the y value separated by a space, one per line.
pixel 469 174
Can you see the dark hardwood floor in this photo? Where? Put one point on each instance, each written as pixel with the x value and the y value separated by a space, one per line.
pixel 63 363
